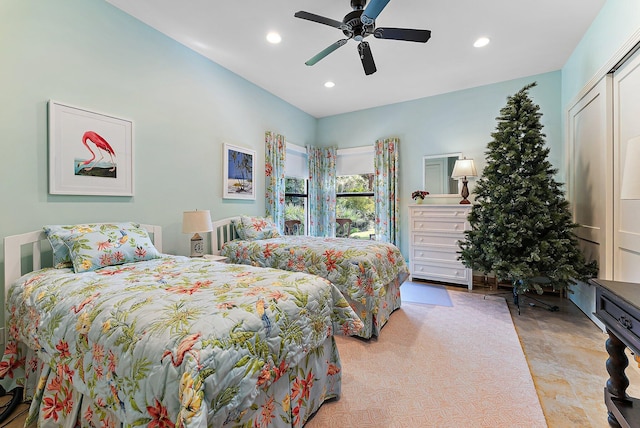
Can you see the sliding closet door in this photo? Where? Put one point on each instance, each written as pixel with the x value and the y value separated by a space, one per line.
pixel 590 193
pixel 626 120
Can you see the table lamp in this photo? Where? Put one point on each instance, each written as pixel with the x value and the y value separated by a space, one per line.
pixel 462 169
pixel 631 172
pixel 194 222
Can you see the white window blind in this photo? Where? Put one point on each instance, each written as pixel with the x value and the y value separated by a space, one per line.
pixel 357 160
pixel 296 162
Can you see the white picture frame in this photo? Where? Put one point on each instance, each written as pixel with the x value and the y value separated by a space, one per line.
pixel 89 153
pixel 239 168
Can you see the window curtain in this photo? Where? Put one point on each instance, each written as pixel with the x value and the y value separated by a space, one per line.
pixel 322 190
pixel 385 188
pixel 274 168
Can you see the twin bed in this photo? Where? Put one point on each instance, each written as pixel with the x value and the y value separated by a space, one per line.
pixel 368 273
pixel 166 340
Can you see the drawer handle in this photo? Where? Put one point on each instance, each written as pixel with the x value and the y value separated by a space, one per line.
pixel 625 322
pixel 456 226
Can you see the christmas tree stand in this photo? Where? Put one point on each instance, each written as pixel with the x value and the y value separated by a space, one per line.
pixel 517 298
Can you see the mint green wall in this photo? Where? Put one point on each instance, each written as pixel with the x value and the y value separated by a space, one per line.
pixel 184 107
pixel 616 23
pixel 459 121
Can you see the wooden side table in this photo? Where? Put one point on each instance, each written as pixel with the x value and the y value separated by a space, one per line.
pixel 618 307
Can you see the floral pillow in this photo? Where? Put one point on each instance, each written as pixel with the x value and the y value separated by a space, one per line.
pixel 61 257
pixel 252 228
pixel 92 246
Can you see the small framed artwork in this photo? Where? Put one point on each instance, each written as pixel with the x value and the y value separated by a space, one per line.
pixel 89 153
pixel 239 166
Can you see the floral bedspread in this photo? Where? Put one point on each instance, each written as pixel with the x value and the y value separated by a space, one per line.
pixel 359 268
pixel 167 342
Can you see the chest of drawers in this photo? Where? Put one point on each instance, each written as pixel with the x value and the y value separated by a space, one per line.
pixel 433 250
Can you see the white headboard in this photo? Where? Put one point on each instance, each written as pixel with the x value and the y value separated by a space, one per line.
pixel 13 252
pixel 222 232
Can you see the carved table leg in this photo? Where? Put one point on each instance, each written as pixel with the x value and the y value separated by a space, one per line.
pixel 616 364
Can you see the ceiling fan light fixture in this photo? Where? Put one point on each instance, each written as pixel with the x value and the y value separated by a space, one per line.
pixel 481 42
pixel 329 84
pixel 274 38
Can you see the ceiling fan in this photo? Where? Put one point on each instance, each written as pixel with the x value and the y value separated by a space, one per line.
pixel 357 25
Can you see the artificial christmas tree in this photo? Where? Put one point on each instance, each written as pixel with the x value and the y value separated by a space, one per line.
pixel 521 227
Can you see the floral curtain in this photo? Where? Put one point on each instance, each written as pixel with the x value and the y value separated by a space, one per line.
pixel 274 165
pixel 385 185
pixel 322 190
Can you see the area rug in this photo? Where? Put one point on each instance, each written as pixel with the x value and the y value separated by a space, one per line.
pixel 427 294
pixel 437 366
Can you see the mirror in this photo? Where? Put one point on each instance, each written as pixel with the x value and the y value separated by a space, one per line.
pixel 436 174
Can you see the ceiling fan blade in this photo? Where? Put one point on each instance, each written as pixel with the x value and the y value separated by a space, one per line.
pixel 327 51
pixel 317 18
pixel 407 34
pixel 372 11
pixel 366 57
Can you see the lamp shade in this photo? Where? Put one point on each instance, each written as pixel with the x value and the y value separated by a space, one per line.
pixel 196 221
pixel 464 168
pixel 631 172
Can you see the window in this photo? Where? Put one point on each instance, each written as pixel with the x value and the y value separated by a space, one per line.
pixel 354 192
pixel 295 202
pixel 296 190
pixel 354 199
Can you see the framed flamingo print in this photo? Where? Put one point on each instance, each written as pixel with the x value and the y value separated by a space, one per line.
pixel 89 153
pixel 239 165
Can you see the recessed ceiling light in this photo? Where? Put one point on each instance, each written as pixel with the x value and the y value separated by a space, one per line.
pixel 482 41
pixel 329 84
pixel 274 38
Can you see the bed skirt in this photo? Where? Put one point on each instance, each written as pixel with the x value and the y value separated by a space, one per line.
pixel 387 302
pixel 286 402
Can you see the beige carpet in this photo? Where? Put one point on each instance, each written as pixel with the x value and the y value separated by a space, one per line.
pixel 437 366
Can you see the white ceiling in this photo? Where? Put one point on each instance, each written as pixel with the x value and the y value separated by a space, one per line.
pixel 527 38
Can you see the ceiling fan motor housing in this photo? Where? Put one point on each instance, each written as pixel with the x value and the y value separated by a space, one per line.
pixel 353 26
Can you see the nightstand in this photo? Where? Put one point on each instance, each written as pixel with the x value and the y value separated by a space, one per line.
pixel 215 258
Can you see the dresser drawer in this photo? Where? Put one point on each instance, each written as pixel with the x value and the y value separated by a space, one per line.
pixel 441 271
pixel 438 225
pixel 436 239
pixel 433 212
pixel 426 254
